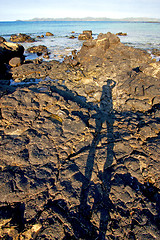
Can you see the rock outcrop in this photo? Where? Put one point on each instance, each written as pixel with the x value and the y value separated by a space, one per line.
pixel 87 34
pixel 106 49
pixel 80 152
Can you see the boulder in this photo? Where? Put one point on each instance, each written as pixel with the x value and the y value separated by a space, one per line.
pixel 15 62
pixel 87 34
pixel 49 34
pixel 42 36
pixel 21 38
pixel 9 50
pixel 37 49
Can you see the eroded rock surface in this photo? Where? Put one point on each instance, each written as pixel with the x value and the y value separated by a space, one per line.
pixel 80 151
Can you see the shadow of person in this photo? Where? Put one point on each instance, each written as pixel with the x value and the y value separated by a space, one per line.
pixel 104 116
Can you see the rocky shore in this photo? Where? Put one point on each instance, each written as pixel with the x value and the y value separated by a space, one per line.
pixel 80 145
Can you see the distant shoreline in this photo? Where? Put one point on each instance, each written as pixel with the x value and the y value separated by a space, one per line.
pixel 149 20
pixel 88 19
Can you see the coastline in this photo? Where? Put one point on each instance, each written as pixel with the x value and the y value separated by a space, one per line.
pixel 97 19
pixel 139 35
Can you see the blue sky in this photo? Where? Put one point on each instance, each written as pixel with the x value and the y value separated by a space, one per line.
pixel 19 9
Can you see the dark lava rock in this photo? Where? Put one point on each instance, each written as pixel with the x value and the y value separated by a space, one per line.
pixel 121 34
pixel 72 37
pixel 2 40
pixel 38 49
pixel 35 49
pixel 80 152
pixel 21 38
pixel 9 50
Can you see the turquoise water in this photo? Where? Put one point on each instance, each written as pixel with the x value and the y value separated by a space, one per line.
pixel 139 34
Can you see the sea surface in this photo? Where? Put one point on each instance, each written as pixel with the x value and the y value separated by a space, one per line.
pixel 139 34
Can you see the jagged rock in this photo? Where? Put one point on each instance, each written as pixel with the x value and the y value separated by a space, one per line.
pixel 70 61
pixel 85 35
pixel 21 38
pixel 2 40
pixel 31 233
pixel 156 52
pixel 107 49
pixel 80 152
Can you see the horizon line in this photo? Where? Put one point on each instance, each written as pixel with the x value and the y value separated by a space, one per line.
pixel 154 19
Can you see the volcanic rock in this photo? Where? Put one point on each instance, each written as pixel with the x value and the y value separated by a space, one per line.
pixel 156 52
pixel 37 49
pixel 80 152
pixel 7 52
pixel 121 34
pixel 21 38
pixel 72 37
pixel 108 49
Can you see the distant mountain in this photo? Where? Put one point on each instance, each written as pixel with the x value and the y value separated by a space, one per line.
pixel 97 19
pixel 140 19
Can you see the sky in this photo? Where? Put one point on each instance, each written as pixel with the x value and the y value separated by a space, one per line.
pixel 11 10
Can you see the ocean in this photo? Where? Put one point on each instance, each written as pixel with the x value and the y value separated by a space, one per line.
pixel 143 35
